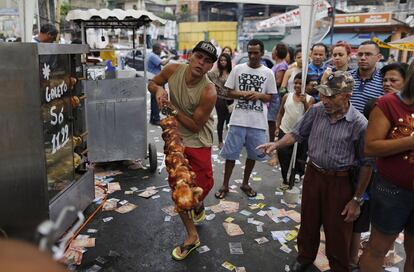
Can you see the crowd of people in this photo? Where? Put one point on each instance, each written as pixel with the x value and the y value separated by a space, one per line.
pixel 353 130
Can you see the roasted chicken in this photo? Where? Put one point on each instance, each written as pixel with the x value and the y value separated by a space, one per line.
pixel 185 192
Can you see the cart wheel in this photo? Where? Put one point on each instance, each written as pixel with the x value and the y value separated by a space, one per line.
pixel 152 154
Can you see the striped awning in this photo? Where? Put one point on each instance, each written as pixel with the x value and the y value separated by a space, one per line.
pixel 114 14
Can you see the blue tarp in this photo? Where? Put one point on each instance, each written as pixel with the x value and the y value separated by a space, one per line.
pixel 8 12
pixel 354 38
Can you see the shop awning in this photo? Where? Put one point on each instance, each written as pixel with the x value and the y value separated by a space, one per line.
pixel 354 38
pixel 405 44
pixel 114 15
pixel 409 40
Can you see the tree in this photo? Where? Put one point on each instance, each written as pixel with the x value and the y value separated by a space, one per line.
pixel 64 8
pixel 168 16
pixel 112 4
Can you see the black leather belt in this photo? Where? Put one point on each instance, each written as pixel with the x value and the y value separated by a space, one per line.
pixel 341 173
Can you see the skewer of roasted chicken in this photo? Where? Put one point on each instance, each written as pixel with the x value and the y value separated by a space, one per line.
pixel 185 191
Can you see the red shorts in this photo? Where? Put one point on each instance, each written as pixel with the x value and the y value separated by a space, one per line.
pixel 200 162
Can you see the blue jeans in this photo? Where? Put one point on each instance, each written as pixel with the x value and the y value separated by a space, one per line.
pixel 155 112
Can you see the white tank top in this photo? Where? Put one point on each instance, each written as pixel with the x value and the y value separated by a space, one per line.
pixel 293 112
pixel 290 83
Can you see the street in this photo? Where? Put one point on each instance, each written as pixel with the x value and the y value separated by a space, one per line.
pixel 142 240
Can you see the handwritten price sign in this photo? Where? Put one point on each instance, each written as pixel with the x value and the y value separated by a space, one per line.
pixel 57 104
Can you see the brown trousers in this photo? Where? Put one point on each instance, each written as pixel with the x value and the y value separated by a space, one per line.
pixel 323 199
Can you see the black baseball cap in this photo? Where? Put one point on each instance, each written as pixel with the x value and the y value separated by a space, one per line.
pixel 208 48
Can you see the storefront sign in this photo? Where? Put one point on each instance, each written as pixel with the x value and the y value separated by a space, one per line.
pixel 363 19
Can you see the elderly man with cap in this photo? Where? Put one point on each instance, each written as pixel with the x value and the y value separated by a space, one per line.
pixel 335 132
pixel 192 99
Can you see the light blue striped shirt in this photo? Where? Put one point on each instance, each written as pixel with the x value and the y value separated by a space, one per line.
pixel 365 90
pixel 333 146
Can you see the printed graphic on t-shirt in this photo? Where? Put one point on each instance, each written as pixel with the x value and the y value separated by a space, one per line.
pixel 251 82
pixel 404 128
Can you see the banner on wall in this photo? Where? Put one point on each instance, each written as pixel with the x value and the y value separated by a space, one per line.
pixel 293 18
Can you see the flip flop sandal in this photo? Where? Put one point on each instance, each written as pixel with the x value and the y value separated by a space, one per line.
pixel 220 194
pixel 199 216
pixel 184 248
pixel 283 187
pixel 248 191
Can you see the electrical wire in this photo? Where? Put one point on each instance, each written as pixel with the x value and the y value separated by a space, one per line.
pixel 87 221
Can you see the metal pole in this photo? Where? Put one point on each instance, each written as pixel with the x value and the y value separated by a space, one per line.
pixel 38 16
pixel 239 25
pixel 83 33
pixel 58 18
pixel 333 21
pixel 133 45
pixel 292 171
pixel 145 52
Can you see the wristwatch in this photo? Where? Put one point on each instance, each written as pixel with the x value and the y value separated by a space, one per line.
pixel 359 200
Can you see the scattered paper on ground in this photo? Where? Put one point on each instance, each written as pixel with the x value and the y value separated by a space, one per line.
pixel 88 242
pixel 229 206
pixel 256 206
pixel 148 193
pixel 291 235
pixel 170 210
pixel 236 248
pixel 292 206
pixel 94 268
pixel 261 240
pixel 113 186
pixel 99 192
pixel 72 256
pixel 107 174
pixel 232 229
pixel 285 248
pixel 203 249
pixel 210 216
pixel 228 266
pixel 123 202
pixel 109 205
pixel 294 215
pixel 126 208
pixel 245 212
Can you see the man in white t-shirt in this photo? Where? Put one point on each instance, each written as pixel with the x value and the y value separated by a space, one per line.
pixel 252 85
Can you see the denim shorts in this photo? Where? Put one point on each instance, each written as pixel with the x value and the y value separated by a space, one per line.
pixel 273 107
pixel 237 137
pixel 392 207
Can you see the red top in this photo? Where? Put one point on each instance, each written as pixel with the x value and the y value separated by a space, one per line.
pixel 398 168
